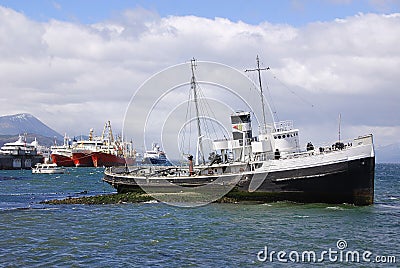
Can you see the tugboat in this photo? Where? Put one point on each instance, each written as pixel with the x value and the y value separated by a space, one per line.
pixel 19 154
pixel 269 167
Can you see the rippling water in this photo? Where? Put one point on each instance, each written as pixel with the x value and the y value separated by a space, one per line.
pixel 158 235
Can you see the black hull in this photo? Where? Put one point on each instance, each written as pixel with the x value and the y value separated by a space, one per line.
pixel 20 161
pixel 346 182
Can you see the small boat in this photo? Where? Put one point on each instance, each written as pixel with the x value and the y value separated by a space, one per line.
pixel 47 169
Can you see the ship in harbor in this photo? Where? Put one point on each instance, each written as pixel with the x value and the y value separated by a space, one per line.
pixel 271 166
pixel 102 151
pixel 82 150
pixel 155 156
pixel 61 155
pixel 20 154
pixel 113 152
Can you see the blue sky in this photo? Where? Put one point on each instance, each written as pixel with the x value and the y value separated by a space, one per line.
pixel 293 12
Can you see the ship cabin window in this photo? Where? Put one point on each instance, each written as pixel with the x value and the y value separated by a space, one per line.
pixel 238 119
pixel 283 136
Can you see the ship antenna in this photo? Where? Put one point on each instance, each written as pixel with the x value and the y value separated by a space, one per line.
pixel 340 121
pixel 196 104
pixel 258 69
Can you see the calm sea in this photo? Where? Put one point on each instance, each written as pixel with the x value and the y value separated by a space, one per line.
pixel 216 235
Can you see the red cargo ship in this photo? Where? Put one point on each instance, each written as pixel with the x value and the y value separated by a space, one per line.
pixel 62 155
pixel 113 152
pixel 62 160
pixel 82 152
pixel 104 159
pixel 82 158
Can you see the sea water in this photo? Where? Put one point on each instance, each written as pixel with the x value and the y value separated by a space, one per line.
pixel 154 234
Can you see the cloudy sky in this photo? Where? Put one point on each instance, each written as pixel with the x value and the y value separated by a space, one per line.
pixel 76 64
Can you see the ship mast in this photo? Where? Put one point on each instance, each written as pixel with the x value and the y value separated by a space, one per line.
pixel 107 126
pixel 258 69
pixel 196 104
pixel 340 121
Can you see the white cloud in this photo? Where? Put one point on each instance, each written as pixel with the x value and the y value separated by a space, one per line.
pixel 57 5
pixel 76 76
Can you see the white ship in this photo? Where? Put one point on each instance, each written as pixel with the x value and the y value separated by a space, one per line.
pixel 20 154
pixel 155 156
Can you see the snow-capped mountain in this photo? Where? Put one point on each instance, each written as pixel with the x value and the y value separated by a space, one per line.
pixel 25 123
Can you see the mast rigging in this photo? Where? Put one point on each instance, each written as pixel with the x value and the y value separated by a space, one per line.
pixel 258 69
pixel 196 104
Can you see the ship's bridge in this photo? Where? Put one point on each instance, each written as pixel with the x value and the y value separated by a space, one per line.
pixel 286 125
pixel 280 136
pixel 285 138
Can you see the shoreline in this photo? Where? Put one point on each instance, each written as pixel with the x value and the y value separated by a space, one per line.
pixel 103 199
pixel 118 198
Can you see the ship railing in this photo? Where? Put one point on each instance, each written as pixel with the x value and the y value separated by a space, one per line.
pixel 147 171
pixel 322 149
pixel 263 156
pixel 335 146
pixel 283 125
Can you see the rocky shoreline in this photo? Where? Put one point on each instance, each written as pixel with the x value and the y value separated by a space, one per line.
pixel 102 199
pixel 118 198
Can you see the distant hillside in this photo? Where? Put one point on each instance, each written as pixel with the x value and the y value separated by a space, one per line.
pixel 25 123
pixel 388 154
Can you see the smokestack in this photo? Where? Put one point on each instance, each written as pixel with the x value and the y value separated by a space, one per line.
pixel 241 122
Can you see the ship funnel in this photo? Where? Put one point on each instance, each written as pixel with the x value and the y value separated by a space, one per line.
pixel 241 122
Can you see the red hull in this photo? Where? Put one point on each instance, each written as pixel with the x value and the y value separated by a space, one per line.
pixel 101 159
pixel 62 160
pixel 82 159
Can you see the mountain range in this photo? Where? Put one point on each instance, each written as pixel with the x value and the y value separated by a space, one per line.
pixel 13 125
pixel 25 123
